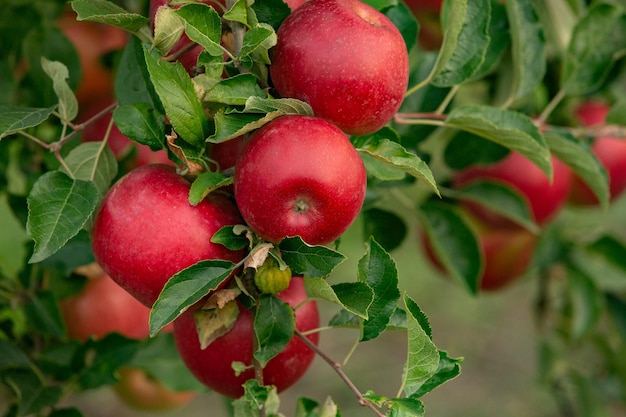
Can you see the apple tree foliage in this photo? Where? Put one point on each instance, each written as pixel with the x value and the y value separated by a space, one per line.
pixel 504 79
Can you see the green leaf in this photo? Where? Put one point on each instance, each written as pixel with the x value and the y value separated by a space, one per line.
pixel 238 12
pixel 103 358
pixel 205 183
pixel 44 315
pixel 355 297
pixel 272 12
pixel 349 320
pixel 203 26
pixel 393 154
pixel 12 357
pixel 132 80
pixel 448 369
pixel 387 228
pixel 274 325
pixel 586 300
pixel 511 129
pixel 597 41
pixel 471 44
pixel 29 389
pixel 256 43
pixel 227 237
pixel 233 124
pixel 500 39
pixel 617 114
pixel 501 199
pixel 423 356
pixel 402 17
pixel 307 260
pixel 612 250
pixel 168 28
pixel 176 91
pixel 405 407
pixel 454 243
pixel 16 118
pixel 159 358
pixel 104 11
pixel 260 104
pixel 255 398
pixel 185 288
pixel 92 162
pixel 583 163
pixel 236 90
pixel 142 123
pixel 68 105
pixel 12 240
pixel 66 412
pixel 378 270
pixel 58 208
pixel 528 47
pixel 466 149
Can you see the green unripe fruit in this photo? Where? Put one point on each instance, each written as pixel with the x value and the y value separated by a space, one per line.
pixel 270 279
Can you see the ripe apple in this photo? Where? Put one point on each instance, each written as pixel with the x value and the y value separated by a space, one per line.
pixel 610 151
pixel 299 176
pixel 225 154
pixel 94 43
pixel 344 58
pixel 212 365
pixel 121 145
pixel 145 230
pixel 103 307
pixel 544 198
pixel 506 254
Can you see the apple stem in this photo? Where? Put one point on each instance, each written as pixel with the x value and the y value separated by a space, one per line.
pixel 337 368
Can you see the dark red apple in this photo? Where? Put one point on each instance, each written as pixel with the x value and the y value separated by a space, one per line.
pixel 299 176
pixel 344 58
pixel 212 366
pixel 145 230
pixel 610 151
pixel 544 198
pixel 427 13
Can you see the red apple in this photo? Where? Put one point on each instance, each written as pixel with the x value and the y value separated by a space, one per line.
pixel 212 365
pixel 103 307
pixel 299 176
pixel 93 42
pixel 610 151
pixel 544 198
pixel 344 58
pixel 225 154
pixel 145 230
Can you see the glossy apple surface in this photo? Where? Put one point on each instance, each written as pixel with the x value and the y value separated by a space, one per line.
pixel 212 366
pixel 145 230
pixel 344 58
pixel 545 199
pixel 94 42
pixel 299 176
pixel 610 151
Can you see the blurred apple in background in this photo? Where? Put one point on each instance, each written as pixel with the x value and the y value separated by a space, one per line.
pixel 610 151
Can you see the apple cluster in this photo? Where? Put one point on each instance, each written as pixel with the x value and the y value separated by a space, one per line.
pixel 297 175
